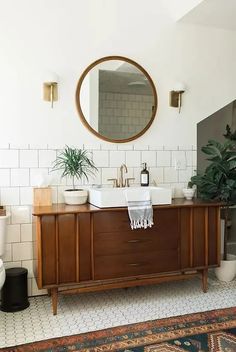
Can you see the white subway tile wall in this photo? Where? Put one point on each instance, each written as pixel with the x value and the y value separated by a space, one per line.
pixel 109 146
pixel 19 146
pixel 10 196
pixel 7 257
pixel 163 158
pixel 5 178
pixel 13 233
pixel 184 175
pixel 178 159
pixel 133 158
pixel 141 147
pixel 22 251
pixel 28 264
pixel 20 214
pixel 107 173
pixel 29 158
pixel 156 175
pixel 46 158
pixel 26 195
pixel 149 157
pixel 23 167
pixel 100 158
pixel 19 177
pixel 36 174
pixel 26 232
pixel 125 146
pixel 117 158
pixel 170 174
pixel 9 158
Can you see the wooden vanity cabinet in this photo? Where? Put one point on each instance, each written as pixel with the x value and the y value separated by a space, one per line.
pixel 84 248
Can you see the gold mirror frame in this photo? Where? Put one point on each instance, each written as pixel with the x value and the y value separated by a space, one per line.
pixel 78 103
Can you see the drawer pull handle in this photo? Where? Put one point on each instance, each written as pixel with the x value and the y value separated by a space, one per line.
pixel 134 264
pixel 133 241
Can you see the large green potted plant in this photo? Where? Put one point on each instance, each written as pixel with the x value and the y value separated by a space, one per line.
pixel 218 182
pixel 75 164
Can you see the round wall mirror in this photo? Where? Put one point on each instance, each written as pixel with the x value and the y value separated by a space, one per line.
pixel 116 99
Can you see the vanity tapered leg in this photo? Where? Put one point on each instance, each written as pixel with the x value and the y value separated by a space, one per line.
pixel 49 292
pixel 54 298
pixel 204 280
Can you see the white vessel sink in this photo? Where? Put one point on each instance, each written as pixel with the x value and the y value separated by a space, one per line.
pixel 105 197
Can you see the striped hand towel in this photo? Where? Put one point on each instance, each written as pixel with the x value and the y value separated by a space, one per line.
pixel 139 208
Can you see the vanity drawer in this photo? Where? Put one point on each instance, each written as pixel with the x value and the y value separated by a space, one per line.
pixel 111 221
pixel 165 220
pixel 126 265
pixel 138 241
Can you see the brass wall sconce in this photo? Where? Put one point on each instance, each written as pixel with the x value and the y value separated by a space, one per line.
pixel 176 96
pixel 50 88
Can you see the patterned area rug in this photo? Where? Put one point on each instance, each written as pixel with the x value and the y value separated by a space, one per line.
pixel 213 331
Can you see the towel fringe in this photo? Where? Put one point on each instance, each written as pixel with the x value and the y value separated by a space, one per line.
pixel 139 208
pixel 141 223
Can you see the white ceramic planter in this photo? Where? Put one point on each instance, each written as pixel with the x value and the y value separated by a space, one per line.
pixel 75 197
pixel 188 193
pixel 227 270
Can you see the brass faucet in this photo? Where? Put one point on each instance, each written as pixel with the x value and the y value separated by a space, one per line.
pixel 121 176
pixel 121 181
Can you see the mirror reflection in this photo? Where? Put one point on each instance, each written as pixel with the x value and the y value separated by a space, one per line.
pixel 117 99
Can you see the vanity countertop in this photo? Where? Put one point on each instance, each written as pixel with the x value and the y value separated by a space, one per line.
pixel 62 208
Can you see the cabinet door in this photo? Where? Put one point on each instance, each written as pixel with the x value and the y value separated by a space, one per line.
pixel 199 237
pixel 84 246
pixel 67 248
pixel 122 252
pixel 58 247
pixel 64 249
pixel 47 270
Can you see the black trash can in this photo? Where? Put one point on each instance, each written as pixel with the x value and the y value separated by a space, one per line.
pixel 14 294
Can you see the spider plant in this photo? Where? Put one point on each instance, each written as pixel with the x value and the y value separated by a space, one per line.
pixel 74 163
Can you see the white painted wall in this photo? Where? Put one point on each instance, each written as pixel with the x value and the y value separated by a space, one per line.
pixel 216 13
pixel 179 8
pixel 93 76
pixel 67 36
pixel 89 96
